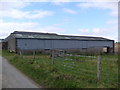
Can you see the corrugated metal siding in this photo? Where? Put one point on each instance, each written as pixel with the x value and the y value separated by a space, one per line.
pixel 67 44
pixel 30 44
pixel 48 44
pixel 100 43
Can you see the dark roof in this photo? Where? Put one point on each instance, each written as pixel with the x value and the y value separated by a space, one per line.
pixel 22 34
pixel 32 33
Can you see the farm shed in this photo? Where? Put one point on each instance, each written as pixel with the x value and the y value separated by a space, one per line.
pixel 0 44
pixel 19 40
pixel 3 44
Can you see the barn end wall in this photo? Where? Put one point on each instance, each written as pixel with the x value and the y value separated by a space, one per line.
pixel 11 44
pixel 0 45
pixel 41 44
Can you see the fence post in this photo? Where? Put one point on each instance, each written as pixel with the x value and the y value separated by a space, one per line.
pixel 50 53
pixel 33 54
pixel 20 53
pixel 63 54
pixel 98 67
pixel 52 56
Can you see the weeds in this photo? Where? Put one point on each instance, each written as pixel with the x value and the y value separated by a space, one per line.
pixel 73 72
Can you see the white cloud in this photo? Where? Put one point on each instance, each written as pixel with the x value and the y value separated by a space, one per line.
pixel 18 14
pixel 39 14
pixel 13 10
pixel 58 3
pixel 114 12
pixel 111 33
pixel 83 30
pixel 101 5
pixel 112 21
pixel 8 27
pixel 69 11
pixel 96 30
pixel 62 0
pixel 13 5
pixel 12 13
pixel 112 6
pixel 51 29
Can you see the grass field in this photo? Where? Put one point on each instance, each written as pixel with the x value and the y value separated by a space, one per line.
pixel 72 72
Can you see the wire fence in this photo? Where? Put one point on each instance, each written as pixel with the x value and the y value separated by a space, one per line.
pixel 86 66
pixel 80 64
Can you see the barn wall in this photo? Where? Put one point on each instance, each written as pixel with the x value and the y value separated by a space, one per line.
pixel 68 44
pixel 31 44
pixel 99 44
pixel 11 44
pixel 0 45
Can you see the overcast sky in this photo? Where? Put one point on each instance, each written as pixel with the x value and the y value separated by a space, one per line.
pixel 69 18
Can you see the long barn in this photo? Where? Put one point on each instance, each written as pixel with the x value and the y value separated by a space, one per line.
pixel 19 40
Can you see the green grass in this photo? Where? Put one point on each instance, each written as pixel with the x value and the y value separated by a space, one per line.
pixel 72 72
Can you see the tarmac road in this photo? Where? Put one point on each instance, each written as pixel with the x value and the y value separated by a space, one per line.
pixel 13 78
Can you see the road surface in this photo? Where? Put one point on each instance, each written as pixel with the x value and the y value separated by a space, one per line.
pixel 13 78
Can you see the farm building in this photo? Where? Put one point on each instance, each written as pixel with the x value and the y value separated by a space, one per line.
pixel 3 44
pixel 0 44
pixel 19 40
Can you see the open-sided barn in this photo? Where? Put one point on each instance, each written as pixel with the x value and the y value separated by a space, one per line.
pixel 19 40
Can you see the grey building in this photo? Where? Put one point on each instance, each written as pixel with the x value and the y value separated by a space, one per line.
pixel 3 44
pixel 45 41
pixel 0 44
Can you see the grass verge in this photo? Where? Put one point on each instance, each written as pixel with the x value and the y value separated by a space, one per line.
pixel 72 72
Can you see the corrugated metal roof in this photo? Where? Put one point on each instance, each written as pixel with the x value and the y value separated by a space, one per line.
pixel 40 36
pixel 18 34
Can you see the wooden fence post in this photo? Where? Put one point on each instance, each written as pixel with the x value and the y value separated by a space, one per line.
pixel 21 53
pixel 98 67
pixel 33 54
pixel 63 54
pixel 52 56
pixel 50 53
